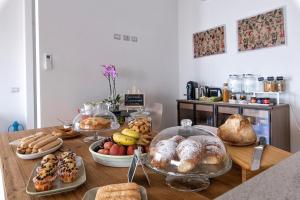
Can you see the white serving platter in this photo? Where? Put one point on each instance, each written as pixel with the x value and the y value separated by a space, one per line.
pixel 59 187
pixel 41 154
pixel 91 194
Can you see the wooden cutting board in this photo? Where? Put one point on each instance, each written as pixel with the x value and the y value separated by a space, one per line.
pixel 242 156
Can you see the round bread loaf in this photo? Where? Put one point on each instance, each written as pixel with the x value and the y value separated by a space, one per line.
pixel 237 130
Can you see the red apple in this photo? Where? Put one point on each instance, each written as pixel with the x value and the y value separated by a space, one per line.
pixel 104 151
pixel 130 149
pixel 122 150
pixel 114 150
pixel 108 145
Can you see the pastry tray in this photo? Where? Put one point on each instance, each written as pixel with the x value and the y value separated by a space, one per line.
pixel 91 194
pixel 41 154
pixel 59 187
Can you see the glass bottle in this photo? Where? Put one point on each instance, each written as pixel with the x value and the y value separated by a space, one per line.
pixel 225 93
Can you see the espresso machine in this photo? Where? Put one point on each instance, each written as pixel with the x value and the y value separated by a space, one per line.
pixel 192 90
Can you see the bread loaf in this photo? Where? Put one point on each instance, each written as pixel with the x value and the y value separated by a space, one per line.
pixel 237 130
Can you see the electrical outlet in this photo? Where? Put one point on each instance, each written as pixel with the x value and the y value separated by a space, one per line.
pixel 134 38
pixel 126 37
pixel 117 36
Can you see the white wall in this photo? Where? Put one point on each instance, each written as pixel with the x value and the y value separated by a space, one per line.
pixel 196 15
pixel 79 34
pixel 12 63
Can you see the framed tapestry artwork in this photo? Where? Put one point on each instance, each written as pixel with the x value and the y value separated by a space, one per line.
pixel 261 31
pixel 209 42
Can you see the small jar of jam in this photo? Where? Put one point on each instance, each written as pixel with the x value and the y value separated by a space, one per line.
pixel 259 100
pixel 253 100
pixel 266 101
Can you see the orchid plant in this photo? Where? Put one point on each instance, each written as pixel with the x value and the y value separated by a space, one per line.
pixel 110 72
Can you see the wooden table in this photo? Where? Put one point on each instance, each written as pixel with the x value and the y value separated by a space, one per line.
pixel 17 172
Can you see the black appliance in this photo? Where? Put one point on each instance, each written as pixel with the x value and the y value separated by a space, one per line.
pixel 213 92
pixel 191 90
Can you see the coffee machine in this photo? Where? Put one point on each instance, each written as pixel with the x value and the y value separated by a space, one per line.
pixel 191 92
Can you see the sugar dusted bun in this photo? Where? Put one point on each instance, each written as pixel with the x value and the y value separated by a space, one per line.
pixel 237 130
pixel 164 151
pixel 189 154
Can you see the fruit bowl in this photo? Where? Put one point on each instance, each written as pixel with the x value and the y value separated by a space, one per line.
pixel 111 160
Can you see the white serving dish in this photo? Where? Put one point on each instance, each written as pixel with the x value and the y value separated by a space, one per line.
pixel 91 194
pixel 59 187
pixel 39 155
pixel 109 160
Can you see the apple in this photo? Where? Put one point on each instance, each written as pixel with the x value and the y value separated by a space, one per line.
pixel 122 150
pixel 108 145
pixel 114 150
pixel 130 149
pixel 104 151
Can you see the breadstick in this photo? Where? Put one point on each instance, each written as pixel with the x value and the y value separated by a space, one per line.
pixel 28 151
pixel 44 142
pixel 32 139
pixel 50 145
pixel 34 151
pixel 134 194
pixel 31 145
pixel 119 187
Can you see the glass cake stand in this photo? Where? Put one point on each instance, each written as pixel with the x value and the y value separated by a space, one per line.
pixel 208 152
pixel 98 133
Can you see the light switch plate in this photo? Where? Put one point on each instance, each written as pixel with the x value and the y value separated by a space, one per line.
pixel 48 62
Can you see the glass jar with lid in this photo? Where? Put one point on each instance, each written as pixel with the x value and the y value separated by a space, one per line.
pixel 280 84
pixel 235 83
pixel 188 155
pixel 249 85
pixel 270 85
pixel 260 84
pixel 141 122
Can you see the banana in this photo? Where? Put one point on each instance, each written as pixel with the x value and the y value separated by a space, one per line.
pixel 123 139
pixel 131 133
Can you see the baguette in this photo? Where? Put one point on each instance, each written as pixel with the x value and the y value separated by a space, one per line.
pixel 50 145
pixel 45 142
pixel 31 145
pixel 119 187
pixel 132 194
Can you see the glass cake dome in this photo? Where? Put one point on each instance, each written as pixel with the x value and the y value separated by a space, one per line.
pixel 95 120
pixel 188 155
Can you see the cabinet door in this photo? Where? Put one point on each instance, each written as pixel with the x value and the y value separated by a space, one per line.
pixel 185 111
pixel 223 112
pixel 204 115
pixel 260 120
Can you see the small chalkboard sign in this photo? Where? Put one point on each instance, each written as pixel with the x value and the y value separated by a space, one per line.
pixel 136 160
pixel 134 100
